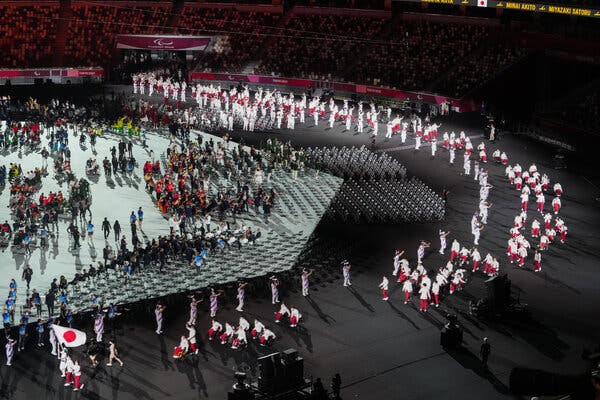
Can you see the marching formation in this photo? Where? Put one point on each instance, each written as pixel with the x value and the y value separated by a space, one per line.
pixel 234 334
pixel 417 280
pixel 219 108
pixel 531 182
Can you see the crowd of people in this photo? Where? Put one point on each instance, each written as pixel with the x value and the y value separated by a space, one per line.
pixel 180 182
pixel 217 108
pixel 183 190
pixel 235 335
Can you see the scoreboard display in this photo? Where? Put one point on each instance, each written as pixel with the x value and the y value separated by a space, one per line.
pixel 512 5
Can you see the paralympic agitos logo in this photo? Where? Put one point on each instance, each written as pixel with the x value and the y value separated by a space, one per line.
pixel 162 42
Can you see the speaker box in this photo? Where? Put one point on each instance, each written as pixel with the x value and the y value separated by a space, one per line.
pixel 294 372
pixel 451 337
pixel 498 291
pixel 289 355
pixel 270 373
pixel 267 366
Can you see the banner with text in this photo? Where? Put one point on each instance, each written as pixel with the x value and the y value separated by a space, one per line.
pixel 515 5
pixel 163 42
pixel 49 73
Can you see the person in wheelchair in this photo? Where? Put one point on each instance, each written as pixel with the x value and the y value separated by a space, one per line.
pixel 91 167
pixel 5 229
pixel 107 166
pixel 130 164
pixel 30 178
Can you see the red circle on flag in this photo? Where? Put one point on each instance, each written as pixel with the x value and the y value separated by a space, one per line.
pixel 69 336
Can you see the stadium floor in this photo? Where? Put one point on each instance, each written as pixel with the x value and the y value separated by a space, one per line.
pixel 380 349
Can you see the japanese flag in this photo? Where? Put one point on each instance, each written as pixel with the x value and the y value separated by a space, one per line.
pixel 69 337
pixel 481 3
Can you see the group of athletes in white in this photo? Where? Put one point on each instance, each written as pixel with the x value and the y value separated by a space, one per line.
pixel 417 279
pixel 527 182
pixel 531 182
pixel 272 108
pixel 151 82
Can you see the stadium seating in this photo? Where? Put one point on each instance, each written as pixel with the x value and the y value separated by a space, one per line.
pixel 95 28
pixel 27 34
pixel 411 51
pixel 401 53
pixel 240 35
pixel 580 111
pixel 479 68
pixel 320 46
pixel 417 51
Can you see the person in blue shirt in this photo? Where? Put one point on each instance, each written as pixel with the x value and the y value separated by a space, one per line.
pixel 112 312
pixel 6 319
pixel 90 231
pixel 40 332
pixel 132 218
pixel 37 302
pixel 22 336
pixel 43 237
pixel 26 242
pixel 94 299
pixel 25 317
pixel 69 318
pixel 13 285
pixel 198 260
pixel 10 305
pixel 140 217
pixel 127 272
